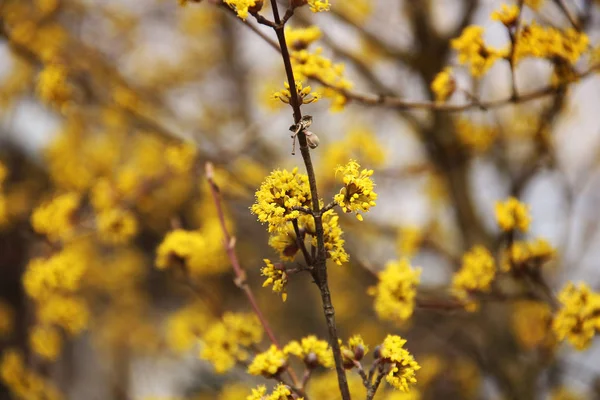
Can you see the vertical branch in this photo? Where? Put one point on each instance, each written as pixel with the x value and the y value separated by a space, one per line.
pixel 320 261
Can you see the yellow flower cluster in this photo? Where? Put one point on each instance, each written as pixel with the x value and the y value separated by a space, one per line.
pixel 512 214
pixel 443 85
pixel 280 392
pixel 243 7
pixel 23 382
pixel 358 194
pixel 527 254
pixel 301 38
pixel 578 319
pixel 508 14
pixel 278 195
pixel 313 65
pixel 531 322
pixel 402 364
pixel 334 244
pixel 268 363
pixel 312 351
pixel 534 40
pixel 227 342
pixel 476 274
pixel 473 50
pixel 355 350
pixel 53 87
pixel 319 5
pixel 185 326
pixel 476 137
pixel 283 241
pixel 116 226
pixel 304 92
pixel 276 276
pixel 194 251
pixel 46 342
pixel 57 218
pixel 396 291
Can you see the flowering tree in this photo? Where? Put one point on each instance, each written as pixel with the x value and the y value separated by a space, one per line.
pixel 129 234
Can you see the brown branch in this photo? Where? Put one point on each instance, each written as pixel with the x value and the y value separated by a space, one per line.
pixel 240 274
pixel 320 262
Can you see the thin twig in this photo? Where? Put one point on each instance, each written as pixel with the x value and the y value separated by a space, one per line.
pixel 300 243
pixel 373 389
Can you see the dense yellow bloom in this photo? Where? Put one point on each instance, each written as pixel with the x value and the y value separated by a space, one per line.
pixel 57 218
pixel 443 85
pixel 69 312
pixel 538 41
pixel 531 323
pixel 242 7
pixel 185 326
pixel 527 254
pixel 403 366
pixel 305 94
pixel 512 214
pixel 23 382
pixel 578 319
pixel 301 38
pixel 476 137
pixel 475 275
pixel 268 363
pixel 319 5
pixel 312 351
pixel 472 50
pixel 284 240
pixel 46 342
pixel 278 195
pixel 280 392
pixel 116 226
pixel 358 193
pixel 334 244
pixel 508 14
pixel 276 276
pixel 227 342
pixel 396 291
pixel 53 87
pixel 7 320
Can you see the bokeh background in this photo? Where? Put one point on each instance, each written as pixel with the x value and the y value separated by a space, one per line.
pixel 146 81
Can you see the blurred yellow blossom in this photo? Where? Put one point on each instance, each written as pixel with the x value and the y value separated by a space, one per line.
pixel 22 381
pixel 476 274
pixel 396 291
pixel 476 137
pixel 578 319
pixel 534 40
pixel 443 85
pixel 319 5
pixel 531 323
pixel 243 7
pixel 57 218
pixel 473 50
pixel 312 351
pixel 358 193
pixel 53 86
pixel 522 254
pixel 185 326
pixel 410 238
pixel 512 214
pixel 46 342
pixel 116 226
pixel 301 38
pixel 507 14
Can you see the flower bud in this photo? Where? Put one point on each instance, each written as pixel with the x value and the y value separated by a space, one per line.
pixel 311 360
pixel 359 352
pixel 312 139
pixel 258 5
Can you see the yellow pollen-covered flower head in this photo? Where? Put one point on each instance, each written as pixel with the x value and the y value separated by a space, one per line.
pixel 357 195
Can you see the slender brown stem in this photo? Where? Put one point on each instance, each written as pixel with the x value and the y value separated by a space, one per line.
pixel 301 244
pixel 240 274
pixel 373 388
pixel 320 261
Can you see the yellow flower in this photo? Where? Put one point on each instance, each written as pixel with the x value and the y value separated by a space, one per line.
pixel 305 93
pixel 301 38
pixel 69 312
pixel 334 244
pixel 258 394
pixel 181 157
pixel 443 85
pixel 473 50
pixel 578 320
pixel 531 323
pixel 527 254
pixel 276 276
pixel 184 249
pixel 354 351
pixel 268 363
pixel 312 351
pixel 534 4
pixel 116 226
pixel 476 137
pixel 46 342
pixel 227 342
pixel 319 5
pixel 534 40
pixel 278 195
pixel 243 7
pixel 508 14
pixel 402 364
pixel 185 326
pixel 56 219
pixel 476 274
pixel 358 194
pixel 512 214
pixel 53 87
pixel 396 291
